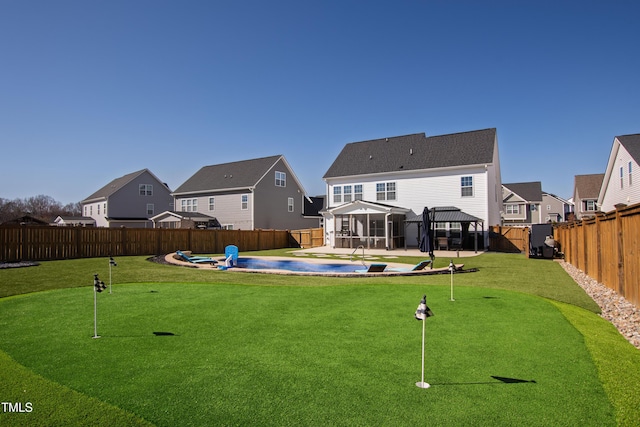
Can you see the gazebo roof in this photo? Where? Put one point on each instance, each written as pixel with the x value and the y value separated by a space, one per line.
pixel 445 214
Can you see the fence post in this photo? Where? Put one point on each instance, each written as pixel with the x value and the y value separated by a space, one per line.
pixel 620 235
pixel 598 249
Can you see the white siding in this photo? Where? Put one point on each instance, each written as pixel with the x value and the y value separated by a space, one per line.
pixel 430 188
pixel 614 192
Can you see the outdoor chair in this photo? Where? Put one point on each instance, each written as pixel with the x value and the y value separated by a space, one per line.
pixel 196 259
pixel 373 268
pixel 420 266
pixel 443 242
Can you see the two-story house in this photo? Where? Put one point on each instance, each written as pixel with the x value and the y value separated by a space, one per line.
pixel 261 193
pixel 128 201
pixel 586 189
pixel 374 186
pixel 554 208
pixel 522 201
pixel 620 185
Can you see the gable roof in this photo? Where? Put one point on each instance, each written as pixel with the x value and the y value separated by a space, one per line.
pixel 528 191
pixel 117 184
pixel 631 143
pixel 588 186
pixel 227 176
pixel 414 152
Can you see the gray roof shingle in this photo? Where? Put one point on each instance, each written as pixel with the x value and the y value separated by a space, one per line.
pixel 115 185
pixel 529 191
pixel 241 174
pixel 588 186
pixel 414 152
pixel 632 144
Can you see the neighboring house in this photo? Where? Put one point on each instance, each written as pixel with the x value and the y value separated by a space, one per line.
pixel 375 188
pixel 189 220
pixel 554 208
pixel 522 202
pixel 585 194
pixel 128 201
pixel 252 194
pixel 313 209
pixel 74 221
pixel 25 220
pixel 621 185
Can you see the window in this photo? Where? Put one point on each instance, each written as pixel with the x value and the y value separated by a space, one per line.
pixel 212 203
pixel 281 179
pixel 189 205
pixel 621 177
pixel 466 186
pixel 357 192
pixel 146 190
pixel 244 203
pixel 290 204
pixel 337 194
pixel 150 209
pixel 85 211
pixel 98 206
pixel 386 191
pixel 630 181
pixel 512 209
pixel 548 207
pixel 347 193
pixel 590 205
pixel 90 210
pixel 104 209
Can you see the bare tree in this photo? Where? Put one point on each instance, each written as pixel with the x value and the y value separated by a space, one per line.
pixel 41 207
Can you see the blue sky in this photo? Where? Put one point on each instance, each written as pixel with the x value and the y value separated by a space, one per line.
pixel 93 90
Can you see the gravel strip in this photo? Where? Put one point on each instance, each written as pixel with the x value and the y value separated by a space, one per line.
pixel 615 308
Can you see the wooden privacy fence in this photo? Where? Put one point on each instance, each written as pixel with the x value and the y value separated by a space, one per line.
pixel 607 248
pixel 308 238
pixel 35 243
pixel 509 239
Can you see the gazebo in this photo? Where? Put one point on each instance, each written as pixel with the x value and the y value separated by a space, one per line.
pixel 444 215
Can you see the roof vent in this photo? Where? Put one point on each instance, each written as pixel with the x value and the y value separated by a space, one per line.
pixel 386 139
pixel 370 157
pixel 411 151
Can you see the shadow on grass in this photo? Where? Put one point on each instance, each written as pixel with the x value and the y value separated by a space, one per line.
pixel 500 380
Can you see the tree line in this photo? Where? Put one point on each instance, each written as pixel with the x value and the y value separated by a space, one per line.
pixel 42 207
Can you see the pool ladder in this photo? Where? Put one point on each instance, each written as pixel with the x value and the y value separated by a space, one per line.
pixel 354 251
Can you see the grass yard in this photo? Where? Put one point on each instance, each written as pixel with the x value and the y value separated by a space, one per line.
pixel 521 344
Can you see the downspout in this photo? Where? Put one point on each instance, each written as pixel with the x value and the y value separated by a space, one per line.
pixel 253 208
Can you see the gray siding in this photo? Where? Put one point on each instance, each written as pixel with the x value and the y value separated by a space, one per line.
pixel 271 202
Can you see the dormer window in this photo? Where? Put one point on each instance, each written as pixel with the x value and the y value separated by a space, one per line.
pixel 281 179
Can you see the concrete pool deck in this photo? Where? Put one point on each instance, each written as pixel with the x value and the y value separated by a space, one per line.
pixel 383 253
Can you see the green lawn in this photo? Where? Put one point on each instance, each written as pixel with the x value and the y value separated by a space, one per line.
pixel 521 344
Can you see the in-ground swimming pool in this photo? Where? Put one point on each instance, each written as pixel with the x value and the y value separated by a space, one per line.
pixel 298 266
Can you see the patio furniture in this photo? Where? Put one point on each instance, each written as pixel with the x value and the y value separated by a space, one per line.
pixel 443 242
pixel 373 268
pixel 196 259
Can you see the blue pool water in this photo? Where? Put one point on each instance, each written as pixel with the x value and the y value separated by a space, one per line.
pixel 294 265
